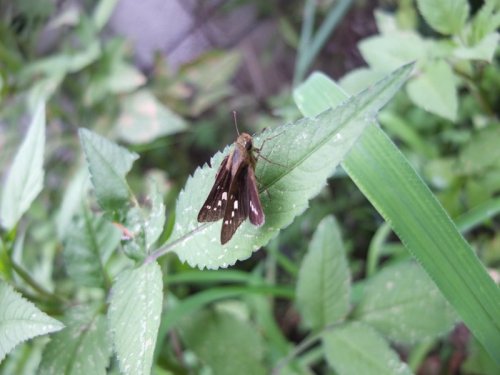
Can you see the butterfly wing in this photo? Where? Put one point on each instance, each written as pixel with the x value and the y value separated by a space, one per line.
pixel 237 205
pixel 215 205
pixel 254 208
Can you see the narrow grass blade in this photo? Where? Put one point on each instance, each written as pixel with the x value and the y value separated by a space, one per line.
pixel 387 179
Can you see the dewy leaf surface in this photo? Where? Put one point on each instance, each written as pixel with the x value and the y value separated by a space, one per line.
pixel 403 304
pixel 84 347
pixel 134 316
pixel 355 348
pixel 21 320
pixel 25 179
pixel 303 155
pixel 323 285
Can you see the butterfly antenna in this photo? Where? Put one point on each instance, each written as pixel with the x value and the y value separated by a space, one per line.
pixel 236 123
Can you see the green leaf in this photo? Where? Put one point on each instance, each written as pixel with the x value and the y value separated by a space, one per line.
pixel 135 246
pixel 323 285
pixel 83 58
pixel 358 79
pixel 398 193
pixel 485 22
pixel 72 200
pixel 20 320
pixel 134 317
pixel 143 119
pixel 225 343
pixel 102 12
pixel 303 155
pixel 355 348
pixel 315 93
pixel 481 152
pixel 478 361
pixel 155 221
pixel 108 164
pixel 116 78
pixel 445 16
pixel 84 347
pixel 385 53
pixel 59 65
pixel 483 50
pixel 441 172
pixel 24 359
pixel 435 90
pixel 88 245
pixel 42 90
pixel 124 78
pixel 25 179
pixel 403 304
pixel 199 300
pixel 386 22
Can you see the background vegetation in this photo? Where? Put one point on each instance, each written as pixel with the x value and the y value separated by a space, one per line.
pixel 385 264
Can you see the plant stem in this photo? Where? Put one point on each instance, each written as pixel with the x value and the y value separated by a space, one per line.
pixel 34 284
pixel 309 49
pixel 307 342
pixel 171 245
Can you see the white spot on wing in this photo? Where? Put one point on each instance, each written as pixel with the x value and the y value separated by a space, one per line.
pixel 219 203
pixel 235 205
pixel 232 213
pixel 252 207
pixel 224 196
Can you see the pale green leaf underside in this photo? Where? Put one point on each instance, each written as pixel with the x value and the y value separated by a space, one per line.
pixel 357 349
pixel 134 317
pixel 404 305
pixel 435 90
pixel 82 348
pixel 20 320
pixel 305 153
pixel 108 164
pixel 323 285
pixel 143 119
pixel 445 16
pixel 484 50
pixel 25 179
pixel 385 53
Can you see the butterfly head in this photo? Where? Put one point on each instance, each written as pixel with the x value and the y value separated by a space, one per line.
pixel 245 140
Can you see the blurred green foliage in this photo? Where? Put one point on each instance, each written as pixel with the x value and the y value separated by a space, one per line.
pixel 64 241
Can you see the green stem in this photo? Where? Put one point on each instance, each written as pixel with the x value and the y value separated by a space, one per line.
pixel 478 214
pixel 34 284
pixel 305 38
pixel 171 245
pixel 282 260
pixel 303 345
pixel 308 53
